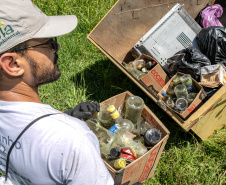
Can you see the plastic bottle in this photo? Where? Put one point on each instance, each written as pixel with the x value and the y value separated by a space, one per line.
pixel 134 108
pixel 124 125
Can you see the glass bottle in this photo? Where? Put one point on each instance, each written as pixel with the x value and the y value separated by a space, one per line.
pixel 170 102
pixel 187 81
pixel 170 89
pixel 104 117
pixel 103 134
pixel 138 147
pixel 135 72
pixel 181 91
pixel 150 64
pixel 176 80
pixel 124 125
pixel 152 136
pixel 134 108
pixel 181 104
pixel 191 97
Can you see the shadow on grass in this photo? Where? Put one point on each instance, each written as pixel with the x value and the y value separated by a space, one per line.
pixel 104 80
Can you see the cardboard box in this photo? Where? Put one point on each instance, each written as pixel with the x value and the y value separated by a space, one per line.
pixel 142 168
pixel 124 25
pixel 194 105
pixel 155 79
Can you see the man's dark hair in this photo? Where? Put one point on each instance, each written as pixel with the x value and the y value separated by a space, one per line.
pixel 18 46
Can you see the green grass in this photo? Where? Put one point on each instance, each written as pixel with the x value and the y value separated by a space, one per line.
pixel 87 74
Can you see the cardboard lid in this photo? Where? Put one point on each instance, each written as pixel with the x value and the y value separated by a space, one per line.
pixel 129 20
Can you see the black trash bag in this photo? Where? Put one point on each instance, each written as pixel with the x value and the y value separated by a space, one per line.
pixel 188 61
pixel 212 43
pixel 198 18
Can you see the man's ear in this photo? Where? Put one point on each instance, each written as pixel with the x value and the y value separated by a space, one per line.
pixel 11 64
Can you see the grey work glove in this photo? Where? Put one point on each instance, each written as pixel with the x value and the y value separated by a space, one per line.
pixel 84 110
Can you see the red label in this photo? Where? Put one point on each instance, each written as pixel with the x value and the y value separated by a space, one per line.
pixel 191 108
pixel 148 165
pixel 158 78
pixel 147 80
pixel 129 152
pixel 132 170
pixel 128 156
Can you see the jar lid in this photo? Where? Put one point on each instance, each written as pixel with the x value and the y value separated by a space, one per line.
pixel 152 136
pixel 111 108
pixel 115 152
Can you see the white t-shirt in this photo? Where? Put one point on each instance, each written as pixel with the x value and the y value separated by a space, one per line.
pixel 57 149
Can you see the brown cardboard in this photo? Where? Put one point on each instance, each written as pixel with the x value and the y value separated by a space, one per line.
pixel 142 168
pixel 156 78
pixel 128 21
pixel 197 101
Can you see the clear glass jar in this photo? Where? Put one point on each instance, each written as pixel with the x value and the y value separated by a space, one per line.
pixel 152 136
pixel 187 81
pixel 191 97
pixel 104 117
pixel 181 104
pixel 134 108
pixel 176 80
pixel 181 91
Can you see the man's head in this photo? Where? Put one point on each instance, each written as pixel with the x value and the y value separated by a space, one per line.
pixel 26 41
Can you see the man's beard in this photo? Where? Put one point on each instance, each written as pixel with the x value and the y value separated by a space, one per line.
pixel 47 75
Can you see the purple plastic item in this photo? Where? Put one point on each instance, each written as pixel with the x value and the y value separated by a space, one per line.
pixel 210 15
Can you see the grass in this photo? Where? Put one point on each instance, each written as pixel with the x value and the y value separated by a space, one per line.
pixel 87 74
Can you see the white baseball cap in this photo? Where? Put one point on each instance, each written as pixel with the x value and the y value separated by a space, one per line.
pixel 21 20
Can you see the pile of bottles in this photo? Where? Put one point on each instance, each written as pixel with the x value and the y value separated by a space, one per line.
pixel 180 93
pixel 125 138
pixel 139 68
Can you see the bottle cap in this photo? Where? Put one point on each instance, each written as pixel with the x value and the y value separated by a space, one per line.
pixel 111 108
pixel 152 136
pixel 120 163
pixel 115 152
pixel 115 115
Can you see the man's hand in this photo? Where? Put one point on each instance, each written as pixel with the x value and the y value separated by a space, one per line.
pixel 84 110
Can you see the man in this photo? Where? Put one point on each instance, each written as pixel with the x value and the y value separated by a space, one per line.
pixel 57 149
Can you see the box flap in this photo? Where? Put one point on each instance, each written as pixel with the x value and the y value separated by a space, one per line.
pixel 128 21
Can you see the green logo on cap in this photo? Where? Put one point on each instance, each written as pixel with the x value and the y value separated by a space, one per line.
pixel 6 32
